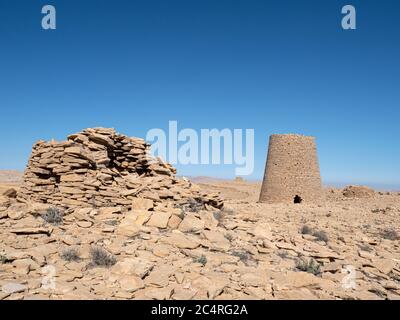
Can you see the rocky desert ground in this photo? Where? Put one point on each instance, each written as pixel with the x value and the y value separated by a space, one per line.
pixel 346 249
pixel 97 217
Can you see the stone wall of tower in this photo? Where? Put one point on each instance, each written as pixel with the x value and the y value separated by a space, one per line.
pixel 292 170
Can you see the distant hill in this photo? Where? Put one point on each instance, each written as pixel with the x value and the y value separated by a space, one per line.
pixel 10 176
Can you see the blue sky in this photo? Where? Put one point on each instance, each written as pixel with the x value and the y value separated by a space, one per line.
pixel 275 66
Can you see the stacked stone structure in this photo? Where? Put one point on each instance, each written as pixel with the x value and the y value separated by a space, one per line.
pixel 99 167
pixel 292 172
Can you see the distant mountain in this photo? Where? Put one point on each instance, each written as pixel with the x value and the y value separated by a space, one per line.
pixel 9 176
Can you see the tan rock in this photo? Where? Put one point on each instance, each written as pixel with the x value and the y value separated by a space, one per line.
pixel 109 210
pixel 181 293
pixel 70 190
pixel 26 231
pixel 142 204
pixel 179 277
pixel 286 246
pixel 213 285
pixel 150 195
pixel 191 224
pixel 133 266
pixel 141 216
pixel 11 288
pixel 159 293
pixel 78 151
pixel 358 192
pixel 384 265
pixel 209 220
pixel 253 280
pixel 72 178
pixel 366 255
pixel 10 193
pixel 84 224
pixel 162 251
pixel 131 283
pixel 174 222
pixel 3 214
pixel 180 241
pixel 17 211
pixel 159 220
pixel 159 277
pixel 297 294
pixel 83 214
pixel 128 227
pixel 262 231
pixel 22 269
pixel 293 279
pixel 257 293
pixel 217 239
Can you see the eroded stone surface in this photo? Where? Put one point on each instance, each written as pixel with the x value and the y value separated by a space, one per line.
pixel 246 251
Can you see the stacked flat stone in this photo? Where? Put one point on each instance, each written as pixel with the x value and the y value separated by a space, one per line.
pixel 102 168
pixel 292 172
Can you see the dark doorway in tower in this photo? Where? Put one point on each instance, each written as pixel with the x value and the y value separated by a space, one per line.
pixel 297 199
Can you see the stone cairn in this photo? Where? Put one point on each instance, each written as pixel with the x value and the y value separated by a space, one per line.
pixel 99 167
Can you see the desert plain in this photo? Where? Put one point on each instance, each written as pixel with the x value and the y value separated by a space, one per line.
pixel 347 248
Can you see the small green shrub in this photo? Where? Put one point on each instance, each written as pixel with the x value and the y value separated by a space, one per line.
pixel 381 294
pixel 101 258
pixel 193 205
pixel 3 259
pixel 310 266
pixel 228 236
pixel 242 255
pixel 53 216
pixel 283 254
pixel 219 216
pixel 390 234
pixel 365 247
pixel 71 255
pixel 202 260
pixel 111 222
pixel 394 276
pixel 321 235
pixel 306 230
pixel 182 215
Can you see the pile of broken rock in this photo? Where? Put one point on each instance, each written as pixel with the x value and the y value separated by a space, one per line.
pixel 110 194
pixel 98 171
pixel 358 192
pixel 101 168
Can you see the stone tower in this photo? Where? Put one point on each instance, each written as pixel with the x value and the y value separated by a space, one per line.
pixel 292 171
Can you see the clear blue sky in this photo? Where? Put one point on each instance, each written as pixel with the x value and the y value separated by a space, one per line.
pixel 275 66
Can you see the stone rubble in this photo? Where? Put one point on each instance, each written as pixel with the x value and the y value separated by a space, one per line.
pixel 358 192
pixel 102 169
pixel 175 249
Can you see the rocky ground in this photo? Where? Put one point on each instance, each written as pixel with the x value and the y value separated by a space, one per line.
pixel 9 179
pixel 347 249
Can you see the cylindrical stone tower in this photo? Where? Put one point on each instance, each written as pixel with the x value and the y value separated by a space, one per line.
pixel 292 171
